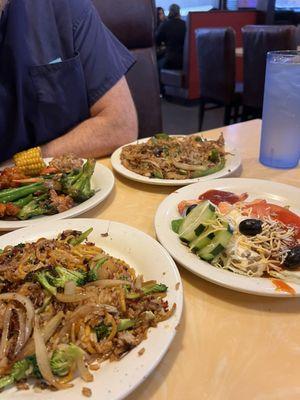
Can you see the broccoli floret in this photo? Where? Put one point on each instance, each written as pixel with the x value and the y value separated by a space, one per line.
pixel 52 282
pixel 93 272
pixel 6 381
pixel 63 359
pixel 66 275
pixel 214 156
pixel 77 184
pixel 42 277
pixel 102 330
pixel 146 290
pixel 125 324
pixel 20 370
pixel 35 368
pixel 38 206
pixel 155 288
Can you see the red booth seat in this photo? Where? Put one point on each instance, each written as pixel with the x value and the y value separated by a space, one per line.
pixel 185 83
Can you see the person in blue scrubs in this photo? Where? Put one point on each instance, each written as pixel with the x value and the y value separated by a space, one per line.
pixel 62 83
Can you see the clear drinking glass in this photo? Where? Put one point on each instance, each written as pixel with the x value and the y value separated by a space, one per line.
pixel 280 136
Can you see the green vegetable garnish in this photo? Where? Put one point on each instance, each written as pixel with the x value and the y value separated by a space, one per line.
pixel 93 273
pixel 102 330
pixel 81 238
pixel 52 282
pixel 63 359
pixel 77 184
pixel 158 175
pixel 209 171
pixel 163 136
pixel 21 370
pixel 36 207
pixel 146 290
pixel 214 155
pixel 176 224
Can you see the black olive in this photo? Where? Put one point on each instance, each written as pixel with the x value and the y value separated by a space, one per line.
pixel 292 260
pixel 250 227
pixel 189 209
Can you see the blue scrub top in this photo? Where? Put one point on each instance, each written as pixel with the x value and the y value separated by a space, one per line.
pixel 56 60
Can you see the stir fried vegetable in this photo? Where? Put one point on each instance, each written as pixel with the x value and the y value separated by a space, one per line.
pixel 69 304
pixel 175 157
pixel 56 188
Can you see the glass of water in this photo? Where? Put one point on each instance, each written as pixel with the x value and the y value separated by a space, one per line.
pixel 280 136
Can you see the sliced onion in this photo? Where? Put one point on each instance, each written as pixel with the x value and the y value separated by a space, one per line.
pixel 83 370
pixel 138 282
pixel 21 334
pixel 188 167
pixel 107 283
pixel 47 331
pixel 29 310
pixel 73 298
pixel 4 344
pixel 43 359
pixel 70 288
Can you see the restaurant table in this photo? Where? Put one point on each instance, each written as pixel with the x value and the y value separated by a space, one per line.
pixel 229 345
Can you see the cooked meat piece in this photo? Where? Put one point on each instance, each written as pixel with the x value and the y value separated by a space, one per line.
pixel 12 210
pixel 66 163
pixel 8 175
pixel 8 210
pixel 61 202
pixel 2 209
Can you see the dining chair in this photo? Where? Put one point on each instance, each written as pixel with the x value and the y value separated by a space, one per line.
pixel 134 25
pixel 216 64
pixel 258 40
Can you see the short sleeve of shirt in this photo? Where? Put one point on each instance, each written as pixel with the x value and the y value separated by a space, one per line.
pixel 105 60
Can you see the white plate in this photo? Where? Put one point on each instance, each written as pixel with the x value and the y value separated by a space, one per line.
pixel 117 379
pixel 233 162
pixel 274 192
pixel 102 182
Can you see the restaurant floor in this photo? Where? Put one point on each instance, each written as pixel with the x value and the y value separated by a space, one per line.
pixel 184 119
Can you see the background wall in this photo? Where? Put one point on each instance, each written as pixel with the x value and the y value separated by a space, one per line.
pixel 188 4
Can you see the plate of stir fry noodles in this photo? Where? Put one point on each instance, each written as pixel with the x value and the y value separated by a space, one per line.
pixel 84 309
pixel 35 189
pixel 243 234
pixel 174 160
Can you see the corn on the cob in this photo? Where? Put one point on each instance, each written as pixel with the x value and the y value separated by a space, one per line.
pixel 30 162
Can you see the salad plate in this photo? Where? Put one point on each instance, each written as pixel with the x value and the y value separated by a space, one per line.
pixel 269 192
pixel 232 163
pixel 102 182
pixel 114 380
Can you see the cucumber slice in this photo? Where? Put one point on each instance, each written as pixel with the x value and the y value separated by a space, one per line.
pixel 202 240
pixel 200 229
pixel 192 224
pixel 217 244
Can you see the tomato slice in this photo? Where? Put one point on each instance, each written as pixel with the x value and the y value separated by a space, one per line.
pixel 218 196
pixel 185 204
pixel 261 208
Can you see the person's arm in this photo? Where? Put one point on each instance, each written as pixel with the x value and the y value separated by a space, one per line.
pixel 160 35
pixel 113 123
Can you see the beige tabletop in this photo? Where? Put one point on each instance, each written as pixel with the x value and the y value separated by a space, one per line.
pixel 229 345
